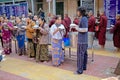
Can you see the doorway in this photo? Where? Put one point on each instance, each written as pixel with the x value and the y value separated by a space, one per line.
pixel 60 8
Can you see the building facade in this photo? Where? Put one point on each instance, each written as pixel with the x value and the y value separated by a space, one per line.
pixel 66 6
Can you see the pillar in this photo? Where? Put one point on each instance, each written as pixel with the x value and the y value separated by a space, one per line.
pixel 54 7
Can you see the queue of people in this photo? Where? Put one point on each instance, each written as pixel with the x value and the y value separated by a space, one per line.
pixel 37 32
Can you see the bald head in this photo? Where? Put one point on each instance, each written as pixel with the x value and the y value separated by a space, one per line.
pixel 101 12
pixel 90 13
pixel 118 16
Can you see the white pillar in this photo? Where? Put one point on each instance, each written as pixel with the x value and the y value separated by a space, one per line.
pixel 49 6
pixel 54 7
pixel 32 3
pixel 13 1
pixel 81 2
pixel 94 6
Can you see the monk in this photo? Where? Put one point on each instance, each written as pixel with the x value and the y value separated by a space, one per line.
pixel 91 29
pixel 116 33
pixel 76 21
pixel 68 22
pixel 52 21
pixel 102 30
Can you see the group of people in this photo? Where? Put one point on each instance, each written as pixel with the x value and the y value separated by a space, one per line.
pixel 39 33
pixel 97 28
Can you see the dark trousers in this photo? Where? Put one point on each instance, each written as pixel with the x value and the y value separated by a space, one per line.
pixel 1 41
pixel 82 57
pixel 0 58
pixel 35 47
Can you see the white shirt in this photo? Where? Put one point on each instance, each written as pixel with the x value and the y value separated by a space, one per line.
pixel 58 35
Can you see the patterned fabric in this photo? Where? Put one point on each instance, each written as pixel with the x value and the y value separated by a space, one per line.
pixel 7 45
pixel 82 57
pixel 44 37
pixel 6 38
pixel 57 53
pixel 42 52
pixel 30 48
pixel 21 44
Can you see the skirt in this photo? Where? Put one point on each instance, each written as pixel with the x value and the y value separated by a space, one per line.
pixel 7 45
pixel 30 48
pixel 57 53
pixel 42 52
pixel 21 44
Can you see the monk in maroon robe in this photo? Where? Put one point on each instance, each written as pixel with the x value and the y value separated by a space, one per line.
pixel 91 24
pixel 68 22
pixel 52 21
pixel 76 21
pixel 91 29
pixel 116 33
pixel 102 30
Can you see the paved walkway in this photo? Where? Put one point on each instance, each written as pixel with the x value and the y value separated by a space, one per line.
pixel 35 71
pixel 23 68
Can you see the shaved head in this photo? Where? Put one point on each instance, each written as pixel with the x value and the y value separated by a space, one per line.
pixel 90 13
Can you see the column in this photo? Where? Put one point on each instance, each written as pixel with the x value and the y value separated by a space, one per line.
pixel 94 6
pixel 32 3
pixel 81 2
pixel 13 1
pixel 54 7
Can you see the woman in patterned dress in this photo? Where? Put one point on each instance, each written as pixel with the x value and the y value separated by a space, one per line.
pixel 57 33
pixel 29 34
pixel 20 36
pixel 43 39
pixel 7 28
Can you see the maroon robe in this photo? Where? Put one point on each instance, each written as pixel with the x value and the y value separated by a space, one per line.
pixel 91 24
pixel 65 25
pixel 102 30
pixel 116 34
pixel 51 22
pixel 67 22
pixel 76 21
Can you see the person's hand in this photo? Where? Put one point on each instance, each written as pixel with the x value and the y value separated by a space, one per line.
pixel 4 24
pixel 58 29
pixel 40 28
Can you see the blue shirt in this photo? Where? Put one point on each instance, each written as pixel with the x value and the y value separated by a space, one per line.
pixel 83 36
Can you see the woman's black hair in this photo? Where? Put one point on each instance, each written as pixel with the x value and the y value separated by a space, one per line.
pixel 30 17
pixel 43 19
pixel 57 17
pixel 82 10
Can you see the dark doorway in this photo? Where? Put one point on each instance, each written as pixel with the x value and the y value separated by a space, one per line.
pixel 60 8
